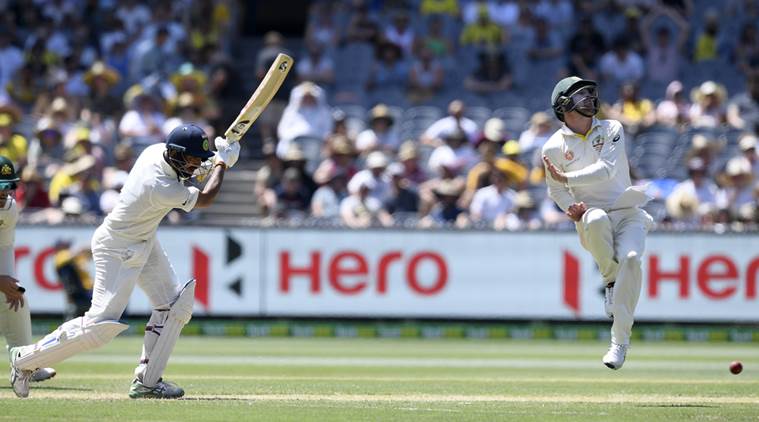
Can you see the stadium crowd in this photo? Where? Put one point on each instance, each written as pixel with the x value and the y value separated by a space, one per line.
pixel 420 113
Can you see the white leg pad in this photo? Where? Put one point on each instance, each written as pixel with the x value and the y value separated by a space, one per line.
pixel 70 338
pixel 160 341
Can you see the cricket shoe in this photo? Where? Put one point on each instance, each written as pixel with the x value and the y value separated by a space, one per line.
pixel 609 300
pixel 615 357
pixel 19 377
pixel 162 390
pixel 43 374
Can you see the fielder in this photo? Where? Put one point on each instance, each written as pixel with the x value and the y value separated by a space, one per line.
pixel 15 321
pixel 125 251
pixel 590 180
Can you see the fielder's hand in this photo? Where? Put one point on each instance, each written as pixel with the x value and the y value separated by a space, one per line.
pixel 14 294
pixel 556 174
pixel 227 152
pixel 576 211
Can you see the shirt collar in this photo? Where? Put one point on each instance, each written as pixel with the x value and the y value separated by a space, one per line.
pixel 568 132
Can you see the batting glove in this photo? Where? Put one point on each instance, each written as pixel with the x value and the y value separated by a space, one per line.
pixel 227 152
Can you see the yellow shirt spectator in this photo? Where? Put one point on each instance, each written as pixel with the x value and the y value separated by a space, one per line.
pixel 445 7
pixel 636 111
pixel 706 48
pixel 482 32
pixel 14 148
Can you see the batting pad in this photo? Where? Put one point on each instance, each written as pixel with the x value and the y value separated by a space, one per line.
pixel 176 318
pixel 70 338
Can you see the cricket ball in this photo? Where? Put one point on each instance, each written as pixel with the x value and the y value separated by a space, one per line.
pixel 736 367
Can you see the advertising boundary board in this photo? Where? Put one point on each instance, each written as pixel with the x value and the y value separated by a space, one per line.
pixel 419 274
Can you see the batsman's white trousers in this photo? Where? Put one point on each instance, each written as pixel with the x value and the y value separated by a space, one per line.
pixel 119 264
pixel 617 241
pixel 15 326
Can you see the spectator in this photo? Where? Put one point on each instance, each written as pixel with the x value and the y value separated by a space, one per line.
pixel 270 173
pixel 321 27
pixel 483 33
pixel 144 120
pixel 707 46
pixel 13 144
pixel 73 180
pixel 436 40
pixel 493 204
pixel 32 191
pixel 663 53
pixel 585 49
pixel 46 149
pixel 541 128
pixel 154 56
pixel 747 145
pixel 101 99
pixel 743 109
pixel 340 156
pixel 545 46
pixel 448 170
pixel 316 66
pixel 494 136
pixel 705 147
pixel 389 72
pixel 558 13
pixel 747 49
pixel 293 198
pixel 511 163
pixel 633 112
pixel 134 15
pixel 187 108
pixel 426 76
pixel 693 201
pixel 492 75
pixel 360 209
pixel 708 109
pixel 333 189
pixel 380 135
pixel 73 273
pixel 376 164
pixel 400 32
pixel 456 148
pixel 674 110
pixel 621 64
pixel 401 197
pixel 448 8
pixel 294 158
pixel 631 29
pixel 738 196
pixel 408 155
pixel 112 190
pixel 437 132
pixel 526 217
pixel 446 210
pixel 25 87
pixel 307 114
pixel 11 59
pixel 362 28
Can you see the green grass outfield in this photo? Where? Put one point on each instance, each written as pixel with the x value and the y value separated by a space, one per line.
pixel 335 379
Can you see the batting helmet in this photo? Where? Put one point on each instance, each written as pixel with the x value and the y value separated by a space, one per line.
pixel 183 143
pixel 562 99
pixel 8 177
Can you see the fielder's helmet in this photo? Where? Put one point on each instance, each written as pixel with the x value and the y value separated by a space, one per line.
pixel 561 100
pixel 8 177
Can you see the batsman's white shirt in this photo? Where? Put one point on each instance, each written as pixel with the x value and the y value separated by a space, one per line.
pixel 150 192
pixel 595 165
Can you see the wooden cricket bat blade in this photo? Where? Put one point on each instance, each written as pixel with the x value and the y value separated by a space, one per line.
pixel 260 98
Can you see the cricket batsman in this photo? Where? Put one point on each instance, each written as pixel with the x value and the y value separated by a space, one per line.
pixel 15 320
pixel 589 178
pixel 126 252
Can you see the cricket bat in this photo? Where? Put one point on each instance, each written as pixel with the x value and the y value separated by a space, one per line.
pixel 260 98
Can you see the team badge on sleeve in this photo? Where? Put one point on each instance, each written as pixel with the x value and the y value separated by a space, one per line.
pixel 598 143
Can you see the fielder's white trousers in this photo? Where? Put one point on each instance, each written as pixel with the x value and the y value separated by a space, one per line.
pixel 15 326
pixel 617 240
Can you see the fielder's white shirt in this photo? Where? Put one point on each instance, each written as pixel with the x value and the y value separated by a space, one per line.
pixel 8 219
pixel 152 189
pixel 595 165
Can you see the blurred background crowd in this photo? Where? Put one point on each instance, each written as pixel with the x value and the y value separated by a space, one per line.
pixel 410 113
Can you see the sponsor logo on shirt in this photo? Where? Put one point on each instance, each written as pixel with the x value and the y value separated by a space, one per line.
pixel 616 138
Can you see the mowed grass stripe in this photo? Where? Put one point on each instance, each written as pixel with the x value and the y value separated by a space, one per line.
pixel 419 398
pixel 420 379
pixel 525 362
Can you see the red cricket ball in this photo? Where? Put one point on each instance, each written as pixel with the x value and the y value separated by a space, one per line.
pixel 736 367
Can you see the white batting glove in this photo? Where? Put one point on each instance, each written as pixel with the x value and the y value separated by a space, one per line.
pixel 227 152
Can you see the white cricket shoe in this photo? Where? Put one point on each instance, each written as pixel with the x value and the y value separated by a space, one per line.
pixel 609 300
pixel 43 374
pixel 19 377
pixel 615 357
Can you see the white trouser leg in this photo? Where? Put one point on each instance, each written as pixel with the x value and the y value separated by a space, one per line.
pixel 596 236
pixel 159 282
pixel 630 228
pixel 116 271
